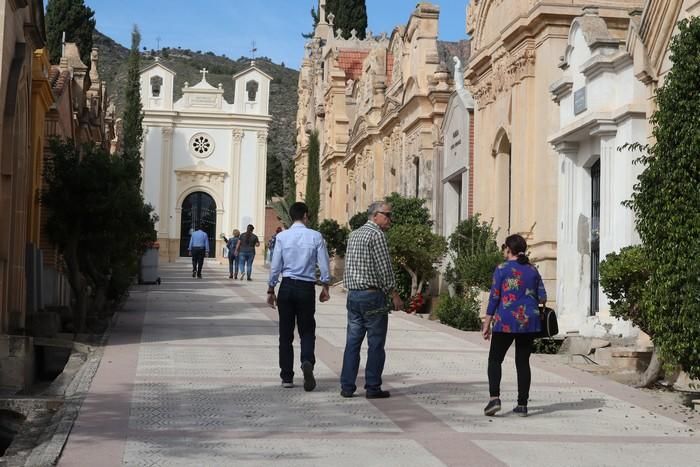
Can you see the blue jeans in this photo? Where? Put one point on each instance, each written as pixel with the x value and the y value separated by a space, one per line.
pixel 246 259
pixel 375 326
pixel 232 265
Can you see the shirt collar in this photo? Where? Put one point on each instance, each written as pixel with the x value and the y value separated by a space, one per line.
pixel 297 224
pixel 374 225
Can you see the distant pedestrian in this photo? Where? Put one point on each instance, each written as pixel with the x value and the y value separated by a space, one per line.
pixel 245 251
pixel 198 249
pixel 272 241
pixel 231 244
pixel 297 253
pixel 516 292
pixel 369 278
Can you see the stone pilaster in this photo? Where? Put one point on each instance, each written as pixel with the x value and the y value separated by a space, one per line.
pixel 262 174
pixel 166 168
pixel 235 174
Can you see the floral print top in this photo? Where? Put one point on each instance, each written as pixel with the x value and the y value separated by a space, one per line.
pixel 516 291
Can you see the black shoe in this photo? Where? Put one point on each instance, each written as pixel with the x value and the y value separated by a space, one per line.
pixel 492 407
pixel 287 384
pixel 235 276
pixel 194 273
pixel 521 410
pixel 309 380
pixel 230 276
pixel 250 279
pixel 199 276
pixel 378 394
pixel 345 393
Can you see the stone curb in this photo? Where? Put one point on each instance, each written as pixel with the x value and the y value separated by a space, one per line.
pixel 59 428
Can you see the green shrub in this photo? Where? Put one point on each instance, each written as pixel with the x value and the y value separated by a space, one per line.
pixel 358 220
pixel 460 312
pixel 336 237
pixel 624 277
pixel 665 204
pixel 474 255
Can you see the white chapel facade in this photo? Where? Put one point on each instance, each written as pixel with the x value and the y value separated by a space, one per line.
pixel 204 159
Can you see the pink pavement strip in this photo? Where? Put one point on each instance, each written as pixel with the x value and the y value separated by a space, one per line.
pixel 103 430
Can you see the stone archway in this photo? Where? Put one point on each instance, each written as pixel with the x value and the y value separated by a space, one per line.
pixel 197 208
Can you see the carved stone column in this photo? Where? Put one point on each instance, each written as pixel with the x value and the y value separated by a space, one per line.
pixel 235 177
pixel 262 184
pixel 166 168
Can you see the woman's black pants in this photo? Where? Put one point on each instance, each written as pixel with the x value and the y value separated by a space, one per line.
pixel 500 343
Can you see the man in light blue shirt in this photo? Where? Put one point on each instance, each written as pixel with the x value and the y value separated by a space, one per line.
pixel 199 247
pixel 297 252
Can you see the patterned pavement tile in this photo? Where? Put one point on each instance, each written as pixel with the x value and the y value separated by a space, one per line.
pixel 551 411
pixel 434 365
pixel 185 452
pixel 190 363
pixel 251 407
pixel 526 454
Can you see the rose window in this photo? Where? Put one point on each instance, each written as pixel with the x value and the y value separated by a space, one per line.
pixel 201 145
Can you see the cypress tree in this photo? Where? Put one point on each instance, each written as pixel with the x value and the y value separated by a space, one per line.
pixel 291 186
pixel 133 110
pixel 313 180
pixel 275 176
pixel 349 15
pixel 75 19
pixel 665 203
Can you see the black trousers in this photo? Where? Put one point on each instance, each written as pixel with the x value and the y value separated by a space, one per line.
pixel 197 260
pixel 500 343
pixel 296 304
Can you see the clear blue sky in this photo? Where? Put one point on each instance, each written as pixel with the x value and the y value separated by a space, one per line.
pixel 229 26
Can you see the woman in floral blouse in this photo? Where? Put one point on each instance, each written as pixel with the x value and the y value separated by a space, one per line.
pixel 516 291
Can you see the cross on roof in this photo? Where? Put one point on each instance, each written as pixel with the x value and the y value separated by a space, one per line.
pixel 204 72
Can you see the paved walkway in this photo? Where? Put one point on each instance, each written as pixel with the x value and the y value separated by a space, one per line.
pixel 190 378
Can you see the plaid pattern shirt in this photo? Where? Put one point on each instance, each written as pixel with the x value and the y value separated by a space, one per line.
pixel 367 261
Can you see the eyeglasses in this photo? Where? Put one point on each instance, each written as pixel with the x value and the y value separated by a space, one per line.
pixel 386 213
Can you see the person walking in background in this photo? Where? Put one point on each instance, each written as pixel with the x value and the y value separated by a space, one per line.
pixel 271 242
pixel 231 244
pixel 516 292
pixel 297 253
pixel 245 251
pixel 198 249
pixel 369 278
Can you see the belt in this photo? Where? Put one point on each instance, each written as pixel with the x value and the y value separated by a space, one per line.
pixel 298 281
pixel 368 289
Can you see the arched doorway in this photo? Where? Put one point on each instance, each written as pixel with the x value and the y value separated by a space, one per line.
pixel 198 208
pixel 503 185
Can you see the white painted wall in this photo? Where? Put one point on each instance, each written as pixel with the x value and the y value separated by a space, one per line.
pixel 455 161
pixel 247 190
pixel 191 115
pixel 610 121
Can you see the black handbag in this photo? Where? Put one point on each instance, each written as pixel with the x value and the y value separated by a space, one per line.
pixel 549 327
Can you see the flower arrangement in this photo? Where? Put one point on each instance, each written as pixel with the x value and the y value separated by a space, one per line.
pixel 416 303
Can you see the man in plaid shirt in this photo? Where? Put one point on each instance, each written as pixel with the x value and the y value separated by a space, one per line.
pixel 369 279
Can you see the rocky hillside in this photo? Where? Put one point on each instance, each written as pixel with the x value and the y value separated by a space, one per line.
pixel 187 63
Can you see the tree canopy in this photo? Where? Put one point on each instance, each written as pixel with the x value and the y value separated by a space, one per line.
pixel 313 180
pixel 74 18
pixel 665 203
pixel 349 15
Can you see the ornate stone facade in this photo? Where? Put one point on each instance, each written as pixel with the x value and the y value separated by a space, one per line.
pixel 204 159
pixel 516 46
pixel 378 105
